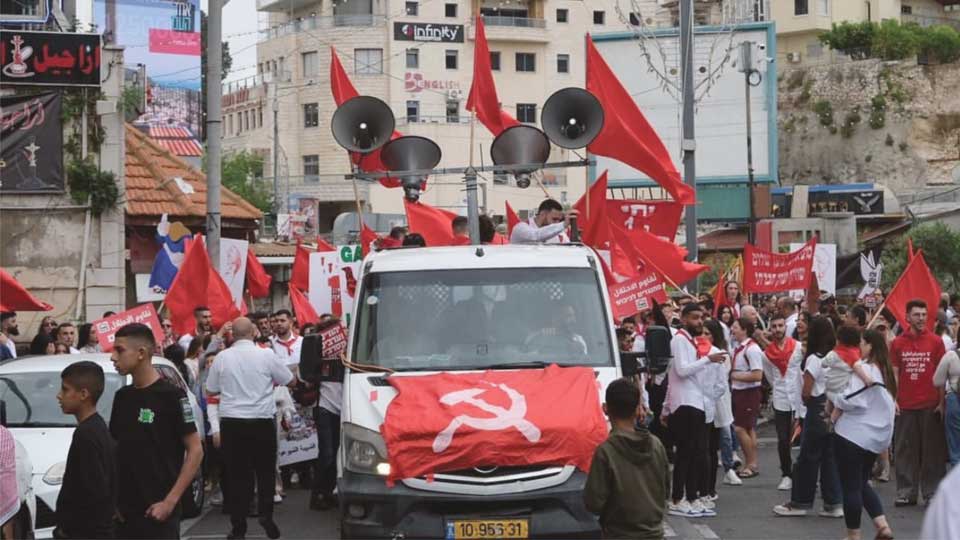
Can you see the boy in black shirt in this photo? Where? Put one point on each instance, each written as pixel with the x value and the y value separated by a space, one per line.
pixel 88 496
pixel 153 424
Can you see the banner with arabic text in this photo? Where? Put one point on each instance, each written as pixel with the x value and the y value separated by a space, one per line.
pixel 31 143
pixel 49 58
pixel 765 272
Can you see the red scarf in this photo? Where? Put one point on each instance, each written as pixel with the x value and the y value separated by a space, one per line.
pixel 849 355
pixel 289 343
pixel 780 356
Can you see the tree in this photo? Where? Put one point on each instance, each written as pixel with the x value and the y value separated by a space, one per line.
pixel 226 64
pixel 941 251
pixel 242 173
pixel 852 39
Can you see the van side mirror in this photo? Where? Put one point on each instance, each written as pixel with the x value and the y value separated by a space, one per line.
pixel 655 359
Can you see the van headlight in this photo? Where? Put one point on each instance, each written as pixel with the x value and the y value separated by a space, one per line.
pixel 365 451
pixel 54 475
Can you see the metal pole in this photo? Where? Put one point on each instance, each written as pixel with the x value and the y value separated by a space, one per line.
pixel 82 277
pixel 751 219
pixel 276 154
pixel 473 210
pixel 214 118
pixel 689 144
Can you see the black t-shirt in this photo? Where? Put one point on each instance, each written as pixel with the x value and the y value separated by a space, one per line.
pixel 88 496
pixel 149 425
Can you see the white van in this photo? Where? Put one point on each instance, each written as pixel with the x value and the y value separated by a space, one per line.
pixel 458 309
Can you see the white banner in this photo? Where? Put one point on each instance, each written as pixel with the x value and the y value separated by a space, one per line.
pixel 333 281
pixel 871 271
pixel 233 266
pixel 824 265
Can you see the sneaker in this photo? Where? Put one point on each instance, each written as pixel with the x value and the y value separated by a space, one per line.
pixel 707 503
pixel 832 511
pixel 682 509
pixel 731 478
pixel 216 499
pixel 277 498
pixel 712 498
pixel 788 510
pixel 697 509
pixel 786 484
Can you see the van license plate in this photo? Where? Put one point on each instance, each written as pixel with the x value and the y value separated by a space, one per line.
pixel 488 529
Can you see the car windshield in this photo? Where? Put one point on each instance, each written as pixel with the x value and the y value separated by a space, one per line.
pixel 31 399
pixel 475 319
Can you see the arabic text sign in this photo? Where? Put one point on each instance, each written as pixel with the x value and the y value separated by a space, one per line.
pixel 49 58
pixel 31 143
pixel 633 296
pixel 107 328
pixel 766 272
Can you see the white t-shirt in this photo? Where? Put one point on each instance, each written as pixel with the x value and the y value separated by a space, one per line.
pixel 184 341
pixel 288 350
pixel 816 370
pixel 11 346
pixel 747 357
pixel 942 520
pixel 530 233
pixel 244 375
pixel 791 323
pixel 782 384
pixel 867 419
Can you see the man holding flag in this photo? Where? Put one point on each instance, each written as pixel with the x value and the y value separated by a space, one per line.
pixel 548 227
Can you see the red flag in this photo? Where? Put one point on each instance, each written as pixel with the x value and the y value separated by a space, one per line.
pixel 434 224
pixel 766 272
pixel 483 92
pixel 300 274
pixel 302 308
pixel 667 258
pixel 593 224
pixel 626 135
pixel 198 283
pixel 14 297
pixel 499 239
pixel 717 292
pixel 916 282
pixel 512 218
pixel 813 294
pixel 343 90
pixel 323 245
pixel 447 422
pixel 258 280
pixel 661 218
pixel 368 239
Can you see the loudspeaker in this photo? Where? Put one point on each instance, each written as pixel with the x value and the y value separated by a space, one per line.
pixel 411 153
pixel 521 145
pixel 363 124
pixel 572 118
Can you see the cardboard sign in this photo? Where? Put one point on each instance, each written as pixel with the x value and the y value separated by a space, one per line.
pixel 300 443
pixel 765 272
pixel 633 296
pixel 334 342
pixel 107 328
pixel 333 281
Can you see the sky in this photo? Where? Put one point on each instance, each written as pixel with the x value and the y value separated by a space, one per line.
pixel 240 31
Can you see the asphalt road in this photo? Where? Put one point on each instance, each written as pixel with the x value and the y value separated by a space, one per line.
pixel 744 513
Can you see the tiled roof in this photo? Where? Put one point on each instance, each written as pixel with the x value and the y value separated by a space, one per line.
pixel 152 187
pixel 166 132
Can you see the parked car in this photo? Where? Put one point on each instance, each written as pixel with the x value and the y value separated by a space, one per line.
pixel 28 390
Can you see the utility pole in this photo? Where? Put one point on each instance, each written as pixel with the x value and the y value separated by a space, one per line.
pixel 276 155
pixel 214 54
pixel 689 144
pixel 746 65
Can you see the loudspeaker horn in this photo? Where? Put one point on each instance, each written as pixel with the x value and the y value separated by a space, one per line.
pixel 572 118
pixel 363 124
pixel 521 145
pixel 411 153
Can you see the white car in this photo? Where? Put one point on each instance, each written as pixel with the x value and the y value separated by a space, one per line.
pixel 29 387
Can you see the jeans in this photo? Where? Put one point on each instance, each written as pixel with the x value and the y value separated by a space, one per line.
pixel 736 441
pixel 816 460
pixel 726 440
pixel 689 429
pixel 856 465
pixel 952 422
pixel 328 442
pixel 784 423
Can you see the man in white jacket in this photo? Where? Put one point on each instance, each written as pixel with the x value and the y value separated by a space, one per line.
pixel 781 366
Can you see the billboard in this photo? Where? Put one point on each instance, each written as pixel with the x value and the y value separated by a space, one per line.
pixel 49 59
pixel 31 143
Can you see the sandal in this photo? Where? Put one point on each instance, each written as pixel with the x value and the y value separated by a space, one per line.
pixel 747 473
pixel 886 533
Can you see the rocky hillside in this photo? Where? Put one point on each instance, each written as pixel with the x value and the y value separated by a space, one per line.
pixel 894 123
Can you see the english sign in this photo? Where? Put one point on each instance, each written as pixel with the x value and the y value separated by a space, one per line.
pixel 444 33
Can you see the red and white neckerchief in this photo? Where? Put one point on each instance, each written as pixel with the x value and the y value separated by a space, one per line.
pixel 288 344
pixel 740 349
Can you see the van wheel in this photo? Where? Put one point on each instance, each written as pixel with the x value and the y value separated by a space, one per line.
pixel 192 501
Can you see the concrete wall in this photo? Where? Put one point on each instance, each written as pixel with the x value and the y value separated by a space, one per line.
pixel 43 235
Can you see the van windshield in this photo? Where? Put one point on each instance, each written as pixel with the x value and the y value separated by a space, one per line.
pixel 475 319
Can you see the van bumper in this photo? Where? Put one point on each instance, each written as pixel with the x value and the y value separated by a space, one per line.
pixel 402 512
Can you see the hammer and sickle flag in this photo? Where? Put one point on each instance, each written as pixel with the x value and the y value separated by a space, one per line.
pixel 448 422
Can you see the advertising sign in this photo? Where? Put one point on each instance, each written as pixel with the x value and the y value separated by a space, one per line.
pixel 444 33
pixel 107 328
pixel 49 58
pixel 31 143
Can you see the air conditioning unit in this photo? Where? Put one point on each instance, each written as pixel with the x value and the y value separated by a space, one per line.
pixel 793 57
pixel 455 94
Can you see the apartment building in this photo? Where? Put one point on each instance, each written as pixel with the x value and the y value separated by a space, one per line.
pixel 800 21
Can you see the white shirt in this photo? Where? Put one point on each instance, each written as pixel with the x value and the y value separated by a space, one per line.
pixel 683 388
pixel 11 346
pixel 288 350
pixel 724 416
pixel 184 341
pixel 331 396
pixel 244 375
pixel 530 233
pixel 948 343
pixel 74 350
pixel 782 384
pixel 942 519
pixel 815 369
pixel 867 419
pixel 747 357
pixel 713 383
pixel 791 323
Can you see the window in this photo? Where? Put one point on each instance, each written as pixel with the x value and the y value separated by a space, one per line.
pixel 563 63
pixel 526 62
pixel 413 8
pixel 906 10
pixel 311 64
pixel 495 60
pixel 814 49
pixel 563 15
pixel 453 111
pixel 451 59
pixel 311 115
pixel 413 111
pixel 599 17
pixel 368 61
pixel 311 169
pixel 413 58
pixel 801 7
pixel 450 10
pixel 527 113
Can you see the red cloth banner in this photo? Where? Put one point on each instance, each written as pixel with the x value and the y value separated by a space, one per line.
pixel 14 297
pixel 661 218
pixel 916 283
pixel 635 295
pixel 107 328
pixel 765 272
pixel 447 422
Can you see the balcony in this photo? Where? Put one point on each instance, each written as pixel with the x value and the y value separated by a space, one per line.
pixel 283 5
pixel 525 29
pixel 310 24
pixel 924 20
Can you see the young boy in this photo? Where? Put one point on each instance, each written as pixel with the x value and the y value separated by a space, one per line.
pixel 841 364
pixel 88 495
pixel 158 447
pixel 629 477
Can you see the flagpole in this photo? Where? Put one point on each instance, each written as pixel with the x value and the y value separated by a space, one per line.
pixel 356 199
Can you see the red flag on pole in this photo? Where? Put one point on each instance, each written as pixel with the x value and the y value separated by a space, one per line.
pixel 667 258
pixel 434 224
pixel 916 282
pixel 258 280
pixel 483 98
pixel 302 308
pixel 14 297
pixel 323 245
pixel 368 239
pixel 626 135
pixel 198 283
pixel 593 223
pixel 512 218
pixel 300 274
